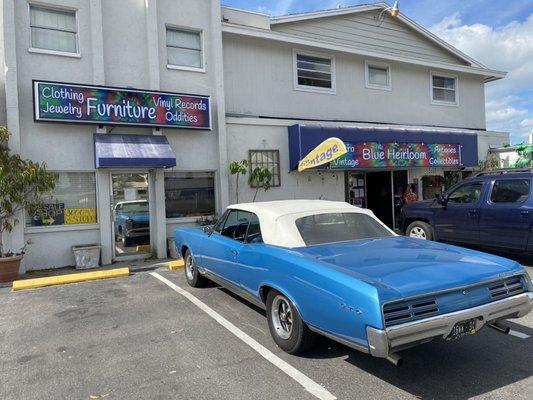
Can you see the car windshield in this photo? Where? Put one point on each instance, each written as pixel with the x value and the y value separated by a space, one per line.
pixel 339 227
pixel 135 208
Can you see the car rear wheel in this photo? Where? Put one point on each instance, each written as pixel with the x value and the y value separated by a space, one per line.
pixel 286 326
pixel 420 230
pixel 193 277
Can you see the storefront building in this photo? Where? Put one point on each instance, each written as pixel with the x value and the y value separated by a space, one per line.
pixel 139 106
pixel 123 100
pixel 409 107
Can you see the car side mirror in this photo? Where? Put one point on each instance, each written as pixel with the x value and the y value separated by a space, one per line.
pixel 208 230
pixel 442 200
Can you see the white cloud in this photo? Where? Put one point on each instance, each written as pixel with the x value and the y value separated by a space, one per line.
pixel 508 48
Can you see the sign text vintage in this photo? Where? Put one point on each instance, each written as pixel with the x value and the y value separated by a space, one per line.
pixel 383 155
pixel 62 102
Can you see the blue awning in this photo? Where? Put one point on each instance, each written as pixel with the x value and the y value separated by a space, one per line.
pixel 130 151
pixel 304 138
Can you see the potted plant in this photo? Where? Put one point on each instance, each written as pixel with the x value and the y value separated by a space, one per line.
pixel 22 186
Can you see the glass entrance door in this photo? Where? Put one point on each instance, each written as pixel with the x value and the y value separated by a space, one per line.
pixel 131 215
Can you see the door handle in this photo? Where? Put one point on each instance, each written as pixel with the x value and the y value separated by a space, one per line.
pixel 524 213
pixel 472 212
pixel 234 252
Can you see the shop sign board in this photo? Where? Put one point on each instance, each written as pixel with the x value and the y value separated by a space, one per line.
pixel 80 216
pixel 64 102
pixel 388 155
pixel 49 214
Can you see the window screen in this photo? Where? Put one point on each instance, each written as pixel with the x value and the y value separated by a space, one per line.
pixel 53 29
pixel 184 48
pixel 378 76
pixel 266 159
pixel 314 71
pixel 339 227
pixel 510 191
pixel 73 201
pixel 189 194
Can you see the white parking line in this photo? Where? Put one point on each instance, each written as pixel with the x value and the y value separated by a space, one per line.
pixel 519 334
pixel 311 386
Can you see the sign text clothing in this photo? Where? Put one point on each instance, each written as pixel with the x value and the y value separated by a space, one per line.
pixel 61 102
pixel 384 155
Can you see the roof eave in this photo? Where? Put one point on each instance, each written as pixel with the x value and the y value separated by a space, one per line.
pixel 283 19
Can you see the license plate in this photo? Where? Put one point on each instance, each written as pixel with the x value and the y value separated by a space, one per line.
pixel 463 328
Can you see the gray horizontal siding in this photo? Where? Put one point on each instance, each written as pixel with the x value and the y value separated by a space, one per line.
pixel 364 31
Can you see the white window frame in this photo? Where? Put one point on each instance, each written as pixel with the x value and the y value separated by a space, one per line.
pixel 202 45
pixel 304 88
pixel 440 102
pixel 37 50
pixel 368 85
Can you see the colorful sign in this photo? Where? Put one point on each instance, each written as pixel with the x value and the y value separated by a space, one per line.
pixel 327 151
pixel 388 155
pixel 61 102
pixel 80 216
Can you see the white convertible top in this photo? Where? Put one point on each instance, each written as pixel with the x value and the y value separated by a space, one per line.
pixel 277 218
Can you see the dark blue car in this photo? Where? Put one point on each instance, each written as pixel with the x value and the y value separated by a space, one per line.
pixel 132 221
pixel 491 209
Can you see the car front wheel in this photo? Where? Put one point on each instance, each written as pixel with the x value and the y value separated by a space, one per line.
pixel 286 326
pixel 420 230
pixel 192 275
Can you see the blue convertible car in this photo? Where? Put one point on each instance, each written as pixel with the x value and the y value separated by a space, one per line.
pixel 334 269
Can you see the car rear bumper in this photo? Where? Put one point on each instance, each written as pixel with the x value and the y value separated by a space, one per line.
pixel 137 232
pixel 383 342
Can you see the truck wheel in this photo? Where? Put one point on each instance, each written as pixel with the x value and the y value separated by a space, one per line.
pixel 192 275
pixel 420 230
pixel 286 326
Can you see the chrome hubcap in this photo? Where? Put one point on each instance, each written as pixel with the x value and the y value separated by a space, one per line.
pixel 189 268
pixel 282 317
pixel 418 233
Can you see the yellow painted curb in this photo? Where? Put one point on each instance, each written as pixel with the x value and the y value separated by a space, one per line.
pixel 71 278
pixel 176 264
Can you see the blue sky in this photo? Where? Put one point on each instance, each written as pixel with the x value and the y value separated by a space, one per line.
pixel 497 33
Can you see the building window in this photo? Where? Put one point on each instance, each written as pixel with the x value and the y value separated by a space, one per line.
pixel 184 49
pixel 443 89
pixel 377 75
pixel 189 194
pixel 266 159
pixel 53 29
pixel 314 72
pixel 73 201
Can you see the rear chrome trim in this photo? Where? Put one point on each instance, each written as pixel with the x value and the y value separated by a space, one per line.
pixel 391 339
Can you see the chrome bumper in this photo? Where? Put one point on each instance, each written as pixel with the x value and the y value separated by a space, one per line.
pixel 384 342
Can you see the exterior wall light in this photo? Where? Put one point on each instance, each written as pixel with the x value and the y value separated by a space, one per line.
pixel 394 11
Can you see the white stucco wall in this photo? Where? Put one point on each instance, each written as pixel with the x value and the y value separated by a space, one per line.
pixel 262 70
pixel 294 185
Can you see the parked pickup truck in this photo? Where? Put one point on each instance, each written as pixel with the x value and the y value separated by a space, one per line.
pixel 492 209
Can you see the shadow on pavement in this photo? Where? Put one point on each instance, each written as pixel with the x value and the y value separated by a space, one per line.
pixel 462 369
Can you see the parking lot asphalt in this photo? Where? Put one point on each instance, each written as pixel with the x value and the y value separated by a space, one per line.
pixel 137 338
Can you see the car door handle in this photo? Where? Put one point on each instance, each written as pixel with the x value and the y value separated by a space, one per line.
pixel 472 212
pixel 524 213
pixel 234 252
